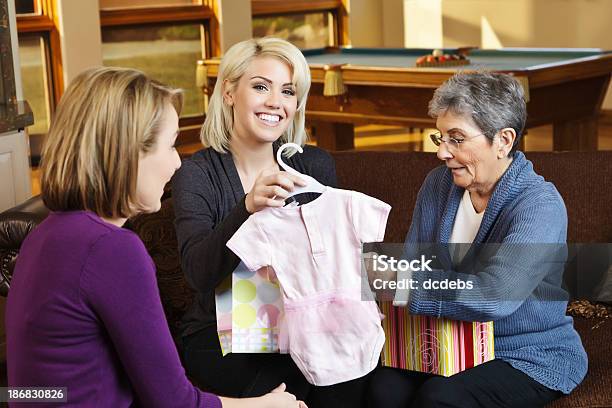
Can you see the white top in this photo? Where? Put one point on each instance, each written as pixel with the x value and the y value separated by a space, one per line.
pixel 465 228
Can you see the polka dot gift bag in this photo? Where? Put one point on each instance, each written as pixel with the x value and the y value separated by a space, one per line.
pixel 249 311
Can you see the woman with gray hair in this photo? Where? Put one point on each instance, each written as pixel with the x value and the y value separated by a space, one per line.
pixel 488 193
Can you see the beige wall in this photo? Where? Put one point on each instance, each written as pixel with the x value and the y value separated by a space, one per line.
pixel 235 22
pixel 365 23
pixel 530 23
pixel 81 43
pixel 423 23
pixel 393 23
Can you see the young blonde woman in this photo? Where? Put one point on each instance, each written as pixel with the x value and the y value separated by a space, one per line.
pixel 84 311
pixel 258 103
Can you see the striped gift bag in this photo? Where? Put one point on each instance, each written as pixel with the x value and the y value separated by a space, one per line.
pixel 434 345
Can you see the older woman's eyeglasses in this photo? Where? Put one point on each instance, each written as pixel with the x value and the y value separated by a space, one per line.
pixel 453 141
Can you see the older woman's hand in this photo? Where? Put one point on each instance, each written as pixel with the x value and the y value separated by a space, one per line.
pixel 271 188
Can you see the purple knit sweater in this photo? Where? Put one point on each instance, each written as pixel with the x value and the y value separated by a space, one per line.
pixel 84 313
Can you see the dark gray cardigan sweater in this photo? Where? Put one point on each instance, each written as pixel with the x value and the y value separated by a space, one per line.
pixel 209 208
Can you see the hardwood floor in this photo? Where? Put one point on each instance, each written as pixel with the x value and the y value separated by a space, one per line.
pixel 376 137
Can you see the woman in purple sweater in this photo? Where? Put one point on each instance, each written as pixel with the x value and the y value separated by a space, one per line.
pixel 84 311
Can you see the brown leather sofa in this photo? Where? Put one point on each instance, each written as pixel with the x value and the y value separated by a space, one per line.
pixel 584 179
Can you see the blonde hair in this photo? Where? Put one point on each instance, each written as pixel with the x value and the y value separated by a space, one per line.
pixel 216 130
pixel 105 119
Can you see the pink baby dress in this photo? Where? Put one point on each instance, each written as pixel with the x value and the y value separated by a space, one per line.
pixel 331 330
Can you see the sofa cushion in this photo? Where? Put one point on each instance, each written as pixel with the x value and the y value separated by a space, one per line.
pixel 584 180
pixel 159 237
pixel 394 177
pixel 596 389
pixel 15 224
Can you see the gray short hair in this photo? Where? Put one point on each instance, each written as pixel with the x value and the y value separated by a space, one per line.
pixel 494 101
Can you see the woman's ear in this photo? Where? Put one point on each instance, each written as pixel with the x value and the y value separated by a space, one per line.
pixel 507 136
pixel 228 97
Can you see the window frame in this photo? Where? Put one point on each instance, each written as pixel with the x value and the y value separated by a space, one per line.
pixel 201 14
pixel 194 13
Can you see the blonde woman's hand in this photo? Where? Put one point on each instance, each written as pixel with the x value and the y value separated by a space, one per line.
pixel 283 399
pixel 277 398
pixel 270 189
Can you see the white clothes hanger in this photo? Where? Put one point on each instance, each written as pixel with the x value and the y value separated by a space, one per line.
pixel 312 185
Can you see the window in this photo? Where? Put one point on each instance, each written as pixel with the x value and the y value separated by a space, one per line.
pixel 305 23
pixel 308 30
pixel 168 53
pixel 40 59
pixel 26 6
pixel 165 41
pixel 33 56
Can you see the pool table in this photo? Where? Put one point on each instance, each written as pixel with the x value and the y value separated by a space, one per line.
pixel 564 87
